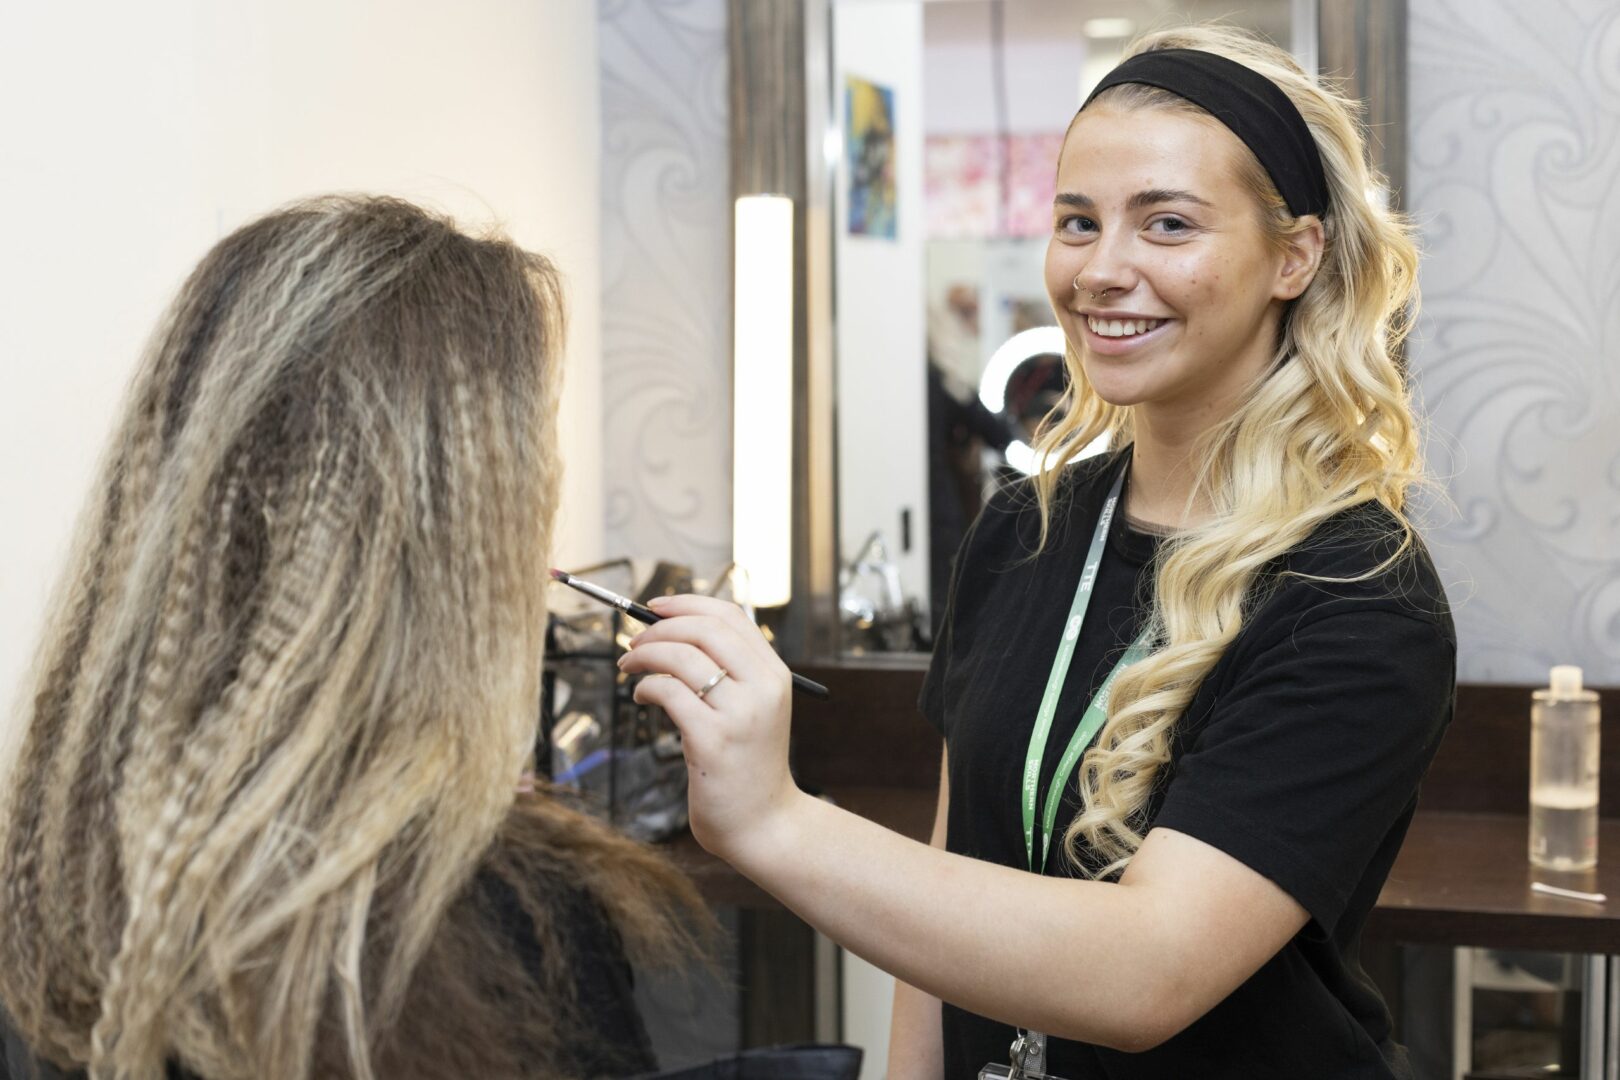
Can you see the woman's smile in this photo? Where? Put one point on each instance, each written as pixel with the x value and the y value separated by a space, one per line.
pixel 1122 336
pixel 1158 267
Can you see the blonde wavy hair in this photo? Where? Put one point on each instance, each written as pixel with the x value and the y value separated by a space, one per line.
pixel 1327 427
pixel 265 803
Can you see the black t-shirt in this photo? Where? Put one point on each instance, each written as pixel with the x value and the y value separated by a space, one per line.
pixel 1299 756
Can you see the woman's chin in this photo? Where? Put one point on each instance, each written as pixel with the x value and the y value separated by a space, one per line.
pixel 1119 392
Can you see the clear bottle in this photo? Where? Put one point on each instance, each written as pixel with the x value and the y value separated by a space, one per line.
pixel 1564 773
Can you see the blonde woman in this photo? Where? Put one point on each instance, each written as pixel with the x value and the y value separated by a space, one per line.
pixel 1165 877
pixel 265 820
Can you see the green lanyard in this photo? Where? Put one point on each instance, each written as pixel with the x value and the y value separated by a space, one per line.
pixel 1095 713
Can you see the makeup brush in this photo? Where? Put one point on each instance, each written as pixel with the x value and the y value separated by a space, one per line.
pixel 649 616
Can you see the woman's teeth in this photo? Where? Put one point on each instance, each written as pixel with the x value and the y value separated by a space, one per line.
pixel 1121 327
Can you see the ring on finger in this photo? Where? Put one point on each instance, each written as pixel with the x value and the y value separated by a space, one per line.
pixel 712 683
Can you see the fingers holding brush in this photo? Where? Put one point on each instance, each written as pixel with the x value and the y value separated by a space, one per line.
pixel 734 726
pixel 675 606
pixel 690 665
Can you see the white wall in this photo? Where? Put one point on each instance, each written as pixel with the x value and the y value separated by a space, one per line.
pixel 135 135
pixel 881 332
pixel 1043 86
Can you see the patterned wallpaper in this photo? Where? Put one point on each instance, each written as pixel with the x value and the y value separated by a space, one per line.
pixel 1515 182
pixel 666 357
pixel 666 289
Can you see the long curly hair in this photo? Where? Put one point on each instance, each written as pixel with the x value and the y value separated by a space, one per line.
pixel 1328 426
pixel 271 756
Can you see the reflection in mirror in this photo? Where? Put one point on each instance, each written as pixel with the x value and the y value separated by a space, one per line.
pixel 952 117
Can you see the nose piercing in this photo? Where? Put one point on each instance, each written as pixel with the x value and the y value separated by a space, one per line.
pixel 1093 295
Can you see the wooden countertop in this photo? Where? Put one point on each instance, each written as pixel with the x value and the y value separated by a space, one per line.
pixel 1461 879
pixel 1464 879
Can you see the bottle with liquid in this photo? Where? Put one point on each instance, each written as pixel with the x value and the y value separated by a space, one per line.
pixel 1564 773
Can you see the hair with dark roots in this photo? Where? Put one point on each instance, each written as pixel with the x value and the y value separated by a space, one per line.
pixel 269 762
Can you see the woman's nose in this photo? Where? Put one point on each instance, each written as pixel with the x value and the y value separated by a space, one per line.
pixel 1107 266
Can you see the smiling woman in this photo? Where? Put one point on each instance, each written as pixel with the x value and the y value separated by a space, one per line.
pixel 1244 706
pixel 1173 294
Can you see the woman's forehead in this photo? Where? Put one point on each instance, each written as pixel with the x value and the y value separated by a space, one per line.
pixel 1110 154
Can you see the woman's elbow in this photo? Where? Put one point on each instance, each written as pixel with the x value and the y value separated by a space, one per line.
pixel 1130 1029
pixel 1127 1038
pixel 1142 1036
pixel 1148 1037
pixel 1169 1010
pixel 1140 1021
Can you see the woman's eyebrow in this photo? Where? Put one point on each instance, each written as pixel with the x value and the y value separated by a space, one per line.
pixel 1149 197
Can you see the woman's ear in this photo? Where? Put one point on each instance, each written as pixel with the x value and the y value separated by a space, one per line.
pixel 1302 255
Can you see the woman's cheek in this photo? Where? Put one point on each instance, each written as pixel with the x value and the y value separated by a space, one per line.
pixel 1061 267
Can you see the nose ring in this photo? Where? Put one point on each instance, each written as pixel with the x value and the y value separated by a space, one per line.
pixel 1088 292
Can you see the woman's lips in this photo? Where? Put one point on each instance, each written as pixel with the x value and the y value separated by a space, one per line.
pixel 1119 346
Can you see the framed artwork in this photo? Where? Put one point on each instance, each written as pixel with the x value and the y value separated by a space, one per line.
pixel 869 150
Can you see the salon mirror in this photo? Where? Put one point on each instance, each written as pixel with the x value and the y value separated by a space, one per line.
pixel 947 117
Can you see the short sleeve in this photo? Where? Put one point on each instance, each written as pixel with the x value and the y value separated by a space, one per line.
pixel 1314 753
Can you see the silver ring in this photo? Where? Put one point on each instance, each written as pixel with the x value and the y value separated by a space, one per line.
pixel 712 683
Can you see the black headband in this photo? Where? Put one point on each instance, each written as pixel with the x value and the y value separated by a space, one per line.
pixel 1254 107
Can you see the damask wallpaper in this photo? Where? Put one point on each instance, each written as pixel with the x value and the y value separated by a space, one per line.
pixel 666 289
pixel 666 356
pixel 1515 183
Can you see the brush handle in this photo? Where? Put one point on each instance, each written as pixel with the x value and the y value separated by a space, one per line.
pixel 800 683
pixel 811 687
pixel 642 613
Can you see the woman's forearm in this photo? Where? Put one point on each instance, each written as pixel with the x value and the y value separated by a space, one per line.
pixel 1061 956
pixel 1081 960
pixel 916 1039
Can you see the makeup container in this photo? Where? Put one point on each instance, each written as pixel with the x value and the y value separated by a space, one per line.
pixel 1564 773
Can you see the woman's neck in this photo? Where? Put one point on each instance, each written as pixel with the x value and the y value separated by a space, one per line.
pixel 1162 476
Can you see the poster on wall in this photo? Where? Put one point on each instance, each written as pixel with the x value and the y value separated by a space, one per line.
pixel 869 148
pixel 963 176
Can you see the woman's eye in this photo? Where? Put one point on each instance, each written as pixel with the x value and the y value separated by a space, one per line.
pixel 1075 224
pixel 1172 226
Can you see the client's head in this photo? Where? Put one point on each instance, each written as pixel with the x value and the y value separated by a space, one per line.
pixel 293 673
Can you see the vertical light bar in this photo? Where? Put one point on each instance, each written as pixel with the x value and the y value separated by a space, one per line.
pixel 762 396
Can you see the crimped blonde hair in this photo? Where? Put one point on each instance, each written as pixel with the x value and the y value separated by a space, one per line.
pixel 1327 427
pixel 269 769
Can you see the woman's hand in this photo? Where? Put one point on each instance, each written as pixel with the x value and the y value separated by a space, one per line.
pixel 736 735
